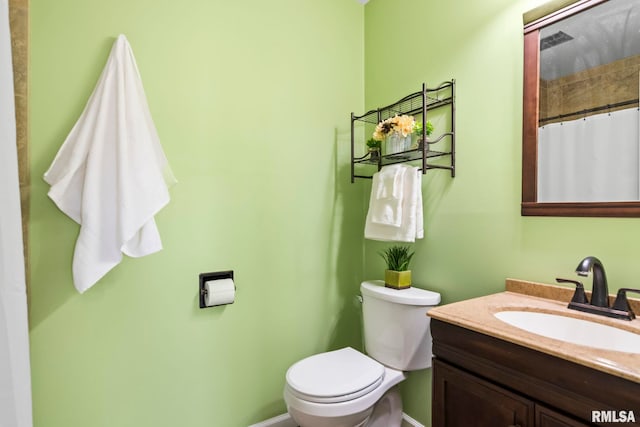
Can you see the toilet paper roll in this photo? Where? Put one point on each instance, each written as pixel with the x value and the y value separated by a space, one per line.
pixel 219 292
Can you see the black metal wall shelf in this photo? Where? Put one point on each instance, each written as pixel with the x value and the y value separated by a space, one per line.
pixel 416 104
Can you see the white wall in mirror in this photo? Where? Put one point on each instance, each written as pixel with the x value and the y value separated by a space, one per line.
pixel 588 133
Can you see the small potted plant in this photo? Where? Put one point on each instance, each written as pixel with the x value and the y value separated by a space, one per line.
pixel 374 149
pixel 397 275
pixel 417 132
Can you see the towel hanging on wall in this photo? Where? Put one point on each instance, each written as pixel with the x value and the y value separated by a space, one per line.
pixel 111 175
pixel 408 193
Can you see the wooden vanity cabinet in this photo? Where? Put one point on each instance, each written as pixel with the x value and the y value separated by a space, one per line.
pixel 462 399
pixel 482 381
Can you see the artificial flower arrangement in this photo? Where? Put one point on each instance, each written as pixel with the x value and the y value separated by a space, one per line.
pixel 404 125
pixel 400 124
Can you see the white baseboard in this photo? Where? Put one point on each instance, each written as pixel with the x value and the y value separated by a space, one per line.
pixel 407 421
pixel 285 420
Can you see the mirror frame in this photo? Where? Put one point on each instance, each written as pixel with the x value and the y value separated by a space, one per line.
pixel 530 116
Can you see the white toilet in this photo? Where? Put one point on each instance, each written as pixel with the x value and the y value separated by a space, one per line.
pixel 345 388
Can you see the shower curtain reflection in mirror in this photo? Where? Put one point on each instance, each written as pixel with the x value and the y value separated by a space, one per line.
pixel 595 158
pixel 15 379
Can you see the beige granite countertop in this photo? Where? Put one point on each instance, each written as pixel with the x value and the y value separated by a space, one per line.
pixel 477 314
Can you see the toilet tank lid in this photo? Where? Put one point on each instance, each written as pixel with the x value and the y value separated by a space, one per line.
pixel 409 296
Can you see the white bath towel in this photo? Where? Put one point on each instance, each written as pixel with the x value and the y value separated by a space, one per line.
pixel 411 226
pixel 111 175
pixel 388 187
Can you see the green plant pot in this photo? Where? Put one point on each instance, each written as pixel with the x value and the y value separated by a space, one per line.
pixel 397 279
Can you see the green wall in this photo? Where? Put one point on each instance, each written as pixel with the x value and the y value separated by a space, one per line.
pixel 474 234
pixel 251 100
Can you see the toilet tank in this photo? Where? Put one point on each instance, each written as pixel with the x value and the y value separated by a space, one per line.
pixel 396 325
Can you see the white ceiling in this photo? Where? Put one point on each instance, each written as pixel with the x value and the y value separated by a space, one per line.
pixel 601 35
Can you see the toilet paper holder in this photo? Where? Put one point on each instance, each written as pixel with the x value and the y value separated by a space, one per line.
pixel 206 277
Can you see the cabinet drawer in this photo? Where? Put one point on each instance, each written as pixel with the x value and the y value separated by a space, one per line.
pixel 546 417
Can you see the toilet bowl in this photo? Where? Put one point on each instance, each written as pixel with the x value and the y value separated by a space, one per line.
pixel 342 388
pixel 346 388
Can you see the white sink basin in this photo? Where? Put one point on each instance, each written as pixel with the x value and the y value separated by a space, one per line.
pixel 576 331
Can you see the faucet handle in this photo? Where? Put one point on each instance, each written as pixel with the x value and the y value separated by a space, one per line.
pixel 579 296
pixel 621 303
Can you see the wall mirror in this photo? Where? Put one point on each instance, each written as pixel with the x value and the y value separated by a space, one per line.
pixel 581 117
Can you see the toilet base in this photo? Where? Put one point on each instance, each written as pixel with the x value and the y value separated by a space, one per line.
pixel 353 420
pixel 387 412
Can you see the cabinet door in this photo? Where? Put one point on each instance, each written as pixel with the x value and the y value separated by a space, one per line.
pixel 546 417
pixel 463 400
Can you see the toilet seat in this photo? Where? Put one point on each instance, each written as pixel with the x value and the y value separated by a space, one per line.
pixel 364 403
pixel 335 376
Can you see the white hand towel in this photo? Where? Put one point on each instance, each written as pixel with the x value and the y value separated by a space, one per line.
pixel 411 227
pixel 390 180
pixel 418 205
pixel 388 186
pixel 111 175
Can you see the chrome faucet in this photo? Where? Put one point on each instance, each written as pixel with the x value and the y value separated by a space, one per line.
pixel 599 290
